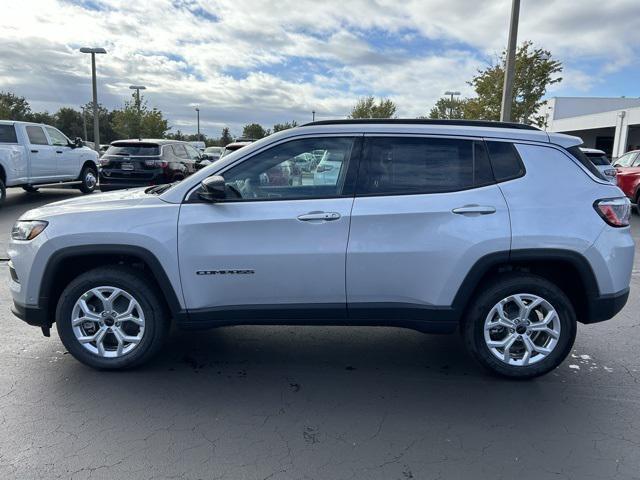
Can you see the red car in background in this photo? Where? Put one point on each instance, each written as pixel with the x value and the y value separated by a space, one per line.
pixel 628 168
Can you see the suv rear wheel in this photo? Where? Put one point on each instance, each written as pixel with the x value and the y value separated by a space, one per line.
pixel 521 327
pixel 108 318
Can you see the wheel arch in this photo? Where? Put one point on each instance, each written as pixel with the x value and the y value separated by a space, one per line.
pixel 67 263
pixel 3 174
pixel 88 163
pixel 567 269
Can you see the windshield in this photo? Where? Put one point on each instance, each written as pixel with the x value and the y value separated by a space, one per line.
pixel 134 149
pixel 626 160
pixel 213 149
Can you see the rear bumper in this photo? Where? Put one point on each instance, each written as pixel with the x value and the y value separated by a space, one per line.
pixel 605 307
pixel 110 183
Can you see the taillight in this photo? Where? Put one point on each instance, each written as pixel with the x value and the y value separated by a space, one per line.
pixel 615 211
pixel 104 162
pixel 156 163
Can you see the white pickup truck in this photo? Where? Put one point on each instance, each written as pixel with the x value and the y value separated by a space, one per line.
pixel 33 155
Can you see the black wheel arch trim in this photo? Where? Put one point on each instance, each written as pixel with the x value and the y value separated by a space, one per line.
pixel 156 268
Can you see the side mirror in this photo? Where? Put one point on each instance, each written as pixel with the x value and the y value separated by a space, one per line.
pixel 77 143
pixel 213 189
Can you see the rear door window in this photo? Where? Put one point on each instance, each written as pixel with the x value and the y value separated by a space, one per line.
pixel 180 151
pixel 8 134
pixel 415 165
pixel 36 135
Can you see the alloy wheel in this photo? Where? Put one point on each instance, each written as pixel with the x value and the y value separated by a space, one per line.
pixel 522 329
pixel 108 321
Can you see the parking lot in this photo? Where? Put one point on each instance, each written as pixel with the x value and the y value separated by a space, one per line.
pixel 315 403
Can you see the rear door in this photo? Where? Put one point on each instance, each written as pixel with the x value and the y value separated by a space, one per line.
pixel 426 210
pixel 43 165
pixel 67 158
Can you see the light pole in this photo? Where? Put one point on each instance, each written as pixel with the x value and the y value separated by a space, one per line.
pixel 452 94
pixel 509 71
pixel 137 88
pixel 96 124
pixel 198 116
pixel 313 115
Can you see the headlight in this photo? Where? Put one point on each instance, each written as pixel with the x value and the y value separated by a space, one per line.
pixel 28 229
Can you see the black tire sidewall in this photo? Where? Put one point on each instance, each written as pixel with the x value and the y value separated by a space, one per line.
pixel 156 325
pixel 83 186
pixel 513 284
pixel 3 191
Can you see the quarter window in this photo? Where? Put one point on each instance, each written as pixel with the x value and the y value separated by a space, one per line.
pixel 505 161
pixel 405 165
pixel 36 136
pixel 179 151
pixel 279 173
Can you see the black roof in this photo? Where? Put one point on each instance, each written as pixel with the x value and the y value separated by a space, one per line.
pixel 425 121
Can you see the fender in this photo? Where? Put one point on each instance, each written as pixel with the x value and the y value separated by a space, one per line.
pixel 157 270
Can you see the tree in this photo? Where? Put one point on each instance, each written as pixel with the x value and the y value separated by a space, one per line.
pixel 69 121
pixel 366 107
pixel 448 108
pixel 535 71
pixel 225 138
pixel 106 120
pixel 254 131
pixel 41 117
pixel 278 127
pixel 148 123
pixel 13 107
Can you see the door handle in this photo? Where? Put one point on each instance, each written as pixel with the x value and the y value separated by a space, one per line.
pixel 58 151
pixel 325 216
pixel 34 151
pixel 474 210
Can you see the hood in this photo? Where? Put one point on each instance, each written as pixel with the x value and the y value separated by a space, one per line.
pixel 87 203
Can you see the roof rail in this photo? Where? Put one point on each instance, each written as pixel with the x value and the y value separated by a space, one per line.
pixel 421 121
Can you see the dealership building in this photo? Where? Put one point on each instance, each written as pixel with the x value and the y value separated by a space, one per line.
pixel 609 124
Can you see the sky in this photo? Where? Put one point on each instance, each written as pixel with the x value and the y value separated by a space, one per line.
pixel 244 61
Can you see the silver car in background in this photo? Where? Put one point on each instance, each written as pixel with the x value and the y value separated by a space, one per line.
pixel 602 163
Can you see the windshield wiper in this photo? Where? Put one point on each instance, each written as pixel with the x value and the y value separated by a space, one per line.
pixel 159 189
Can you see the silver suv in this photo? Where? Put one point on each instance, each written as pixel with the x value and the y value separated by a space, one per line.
pixel 501 231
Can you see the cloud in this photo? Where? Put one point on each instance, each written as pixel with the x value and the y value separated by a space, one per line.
pixel 251 60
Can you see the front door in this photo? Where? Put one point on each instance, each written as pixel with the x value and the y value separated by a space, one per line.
pixel 67 158
pixel 276 246
pixel 426 210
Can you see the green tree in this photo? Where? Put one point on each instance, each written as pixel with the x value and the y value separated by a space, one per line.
pixel 106 119
pixel 69 121
pixel 41 117
pixel 225 137
pixel 535 71
pixel 367 107
pixel 148 123
pixel 13 107
pixel 278 127
pixel 254 131
pixel 447 108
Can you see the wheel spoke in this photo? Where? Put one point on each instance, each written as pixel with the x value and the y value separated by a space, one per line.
pixel 507 354
pixel 122 336
pixel 531 307
pixel 501 343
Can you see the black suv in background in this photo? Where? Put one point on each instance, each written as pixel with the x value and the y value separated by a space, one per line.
pixel 138 163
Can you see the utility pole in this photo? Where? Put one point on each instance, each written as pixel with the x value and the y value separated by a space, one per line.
pixel 137 88
pixel 96 124
pixel 84 124
pixel 509 71
pixel 198 115
pixel 452 94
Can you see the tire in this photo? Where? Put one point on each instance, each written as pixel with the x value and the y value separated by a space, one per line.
pixel 89 179
pixel 3 191
pixel 30 189
pixel 527 288
pixel 149 310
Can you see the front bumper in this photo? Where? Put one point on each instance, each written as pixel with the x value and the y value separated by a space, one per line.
pixel 605 307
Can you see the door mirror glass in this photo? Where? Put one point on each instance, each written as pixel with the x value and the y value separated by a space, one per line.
pixel 212 189
pixel 78 143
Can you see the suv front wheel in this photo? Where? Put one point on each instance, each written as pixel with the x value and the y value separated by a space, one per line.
pixel 109 318
pixel 522 326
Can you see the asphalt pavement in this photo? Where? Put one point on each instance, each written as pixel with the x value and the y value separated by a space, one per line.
pixel 317 403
